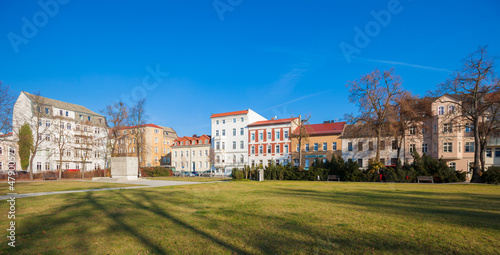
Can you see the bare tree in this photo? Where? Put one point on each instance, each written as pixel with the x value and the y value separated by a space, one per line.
pixel 374 93
pixel 137 119
pixel 489 124
pixel 62 140
pixel 84 145
pixel 471 85
pixel 301 132
pixel 6 105
pixel 116 115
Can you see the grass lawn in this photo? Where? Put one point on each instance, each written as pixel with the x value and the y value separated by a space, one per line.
pixel 190 179
pixel 270 217
pixel 45 186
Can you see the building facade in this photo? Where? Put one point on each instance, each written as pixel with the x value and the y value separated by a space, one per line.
pixel 9 158
pixel 321 142
pixel 154 143
pixel 270 141
pixel 67 133
pixel 230 139
pixel 191 154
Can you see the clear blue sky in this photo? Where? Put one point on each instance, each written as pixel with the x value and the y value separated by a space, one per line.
pixel 275 57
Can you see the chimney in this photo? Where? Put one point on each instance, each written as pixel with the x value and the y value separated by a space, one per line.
pixel 195 136
pixel 272 118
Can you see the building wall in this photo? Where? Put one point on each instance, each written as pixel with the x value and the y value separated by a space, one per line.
pixel 283 157
pixel 9 154
pixel 320 153
pixel 183 158
pixel 351 150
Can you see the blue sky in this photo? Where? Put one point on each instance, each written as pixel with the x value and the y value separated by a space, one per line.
pixel 276 57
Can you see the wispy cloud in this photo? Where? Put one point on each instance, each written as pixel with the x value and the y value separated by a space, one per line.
pixel 287 81
pixel 294 100
pixel 405 64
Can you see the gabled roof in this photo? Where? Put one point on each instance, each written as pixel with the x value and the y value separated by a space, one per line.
pixel 229 114
pixel 5 135
pixel 193 140
pixel 323 129
pixel 145 125
pixel 271 122
pixel 60 104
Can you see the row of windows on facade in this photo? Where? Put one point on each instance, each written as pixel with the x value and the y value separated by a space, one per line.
pixel 66 166
pixel 316 147
pixel 270 149
pixel 217 122
pixel 87 141
pixel 218 145
pixel 447 146
pixel 12 151
pixel 195 142
pixel 277 161
pixel 66 113
pixel 441 110
pixel 242 132
pixel 193 153
pixel 132 141
pixel 68 127
pixel 447 128
pixel 132 150
pixel 277 135
pixel 218 159
pixel 125 132
pixel 80 153
pixel 186 164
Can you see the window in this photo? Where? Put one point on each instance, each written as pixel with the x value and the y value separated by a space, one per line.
pixel 277 135
pixel 206 153
pixel 447 128
pixel 325 146
pixel 285 135
pixel 156 131
pixel 223 132
pixel 298 147
pixel 217 122
pixel 286 148
pixel 453 165
pixel 252 150
pixel 269 149
pixel 424 148
pixel 47 124
pixel 468 127
pixel 412 147
pixel 234 145
pixel 277 148
pixel 242 119
pixel 382 145
pixel 334 146
pixel 360 162
pixel 38 165
pixel 469 147
pixel 217 146
pixel 182 143
pixel 435 128
pixel 156 149
pixel 1 151
pixel 67 113
pixel 47 110
pixel 360 146
pixel 269 136
pixel 88 118
pixel 440 110
pixel 315 146
pixel 156 139
pixel 497 153
pixel 60 112
pixel 412 130
pixel 253 136
pixel 216 132
pixel 370 145
pixel 223 121
pixel 12 151
pixel 307 163
pixel 260 149
pixel 242 144
pixel 164 150
pixel 349 146
pixel 199 153
pixel 234 131
pixel 307 147
pixel 451 109
pixel 447 147
pixel 242 131
pixel 488 152
pixel 234 120
pixel 47 166
pixel 164 141
pixel 175 154
pixel 68 126
pixel 223 145
pixel 194 153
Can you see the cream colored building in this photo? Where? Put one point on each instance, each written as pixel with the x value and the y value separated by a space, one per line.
pixel 191 154
pixel 156 143
pixel 9 156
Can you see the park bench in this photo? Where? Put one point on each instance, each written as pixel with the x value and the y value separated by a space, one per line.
pixel 425 179
pixel 49 176
pixel 333 178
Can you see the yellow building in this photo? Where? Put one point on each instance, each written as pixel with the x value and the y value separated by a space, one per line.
pixel 154 143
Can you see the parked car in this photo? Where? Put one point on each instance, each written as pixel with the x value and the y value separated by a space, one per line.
pixel 187 174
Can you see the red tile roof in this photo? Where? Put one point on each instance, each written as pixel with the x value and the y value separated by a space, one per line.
pixel 8 134
pixel 146 125
pixel 228 114
pixel 271 122
pixel 192 140
pixel 323 129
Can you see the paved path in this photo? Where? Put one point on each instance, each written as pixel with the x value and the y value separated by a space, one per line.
pixel 144 183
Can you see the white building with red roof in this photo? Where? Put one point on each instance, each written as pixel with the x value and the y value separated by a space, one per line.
pixel 230 139
pixel 191 154
pixel 269 141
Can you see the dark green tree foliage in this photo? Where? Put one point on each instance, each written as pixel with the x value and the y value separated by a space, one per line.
pixel 492 175
pixel 25 144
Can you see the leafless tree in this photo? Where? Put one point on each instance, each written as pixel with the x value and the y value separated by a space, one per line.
pixel 62 140
pixel 137 119
pixel 116 115
pixel 6 104
pixel 84 145
pixel 301 132
pixel 471 84
pixel 374 93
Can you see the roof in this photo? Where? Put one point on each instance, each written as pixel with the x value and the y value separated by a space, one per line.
pixel 271 122
pixel 323 129
pixel 146 125
pixel 229 114
pixel 193 140
pixel 60 104
pixel 5 135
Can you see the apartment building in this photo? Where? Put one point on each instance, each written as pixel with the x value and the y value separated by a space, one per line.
pixel 191 154
pixel 155 143
pixel 9 158
pixel 270 141
pixel 230 139
pixel 68 131
pixel 321 143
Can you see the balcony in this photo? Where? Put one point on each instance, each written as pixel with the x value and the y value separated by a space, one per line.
pixel 494 141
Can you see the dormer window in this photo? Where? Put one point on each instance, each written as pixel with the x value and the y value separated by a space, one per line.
pixel 440 110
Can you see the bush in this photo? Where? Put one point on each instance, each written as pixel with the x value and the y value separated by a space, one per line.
pixel 156 171
pixel 492 175
pixel 237 174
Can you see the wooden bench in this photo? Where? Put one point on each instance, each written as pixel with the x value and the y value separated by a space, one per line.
pixel 425 179
pixel 49 176
pixel 333 178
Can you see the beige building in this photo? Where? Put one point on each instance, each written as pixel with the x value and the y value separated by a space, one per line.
pixel 156 143
pixel 9 157
pixel 321 143
pixel 191 154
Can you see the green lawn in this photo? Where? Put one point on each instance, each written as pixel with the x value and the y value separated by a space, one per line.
pixel 190 179
pixel 45 186
pixel 263 218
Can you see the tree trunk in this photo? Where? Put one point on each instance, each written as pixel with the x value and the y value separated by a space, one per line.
pixel 476 171
pixel 60 165
pixel 377 155
pixel 31 167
